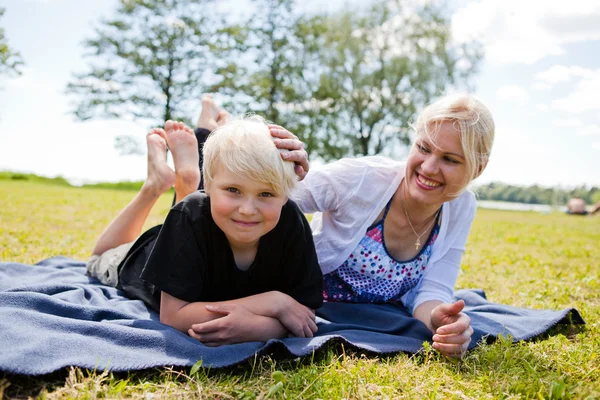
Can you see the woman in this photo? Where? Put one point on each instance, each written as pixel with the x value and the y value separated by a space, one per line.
pixel 395 231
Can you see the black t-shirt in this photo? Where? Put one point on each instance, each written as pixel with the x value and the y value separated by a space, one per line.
pixel 192 260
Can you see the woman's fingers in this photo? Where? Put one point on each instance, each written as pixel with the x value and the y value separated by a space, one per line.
pixel 460 325
pixel 453 345
pixel 452 350
pixel 286 140
pixel 299 171
pixel 280 132
pixel 289 144
pixel 454 339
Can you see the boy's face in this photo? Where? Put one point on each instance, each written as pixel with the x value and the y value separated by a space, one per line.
pixel 244 210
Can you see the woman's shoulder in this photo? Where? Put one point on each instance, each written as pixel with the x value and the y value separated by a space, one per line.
pixel 463 206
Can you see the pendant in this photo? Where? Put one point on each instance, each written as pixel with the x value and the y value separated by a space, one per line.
pixel 418 243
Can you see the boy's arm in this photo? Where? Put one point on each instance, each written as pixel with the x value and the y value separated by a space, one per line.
pixel 303 277
pixel 266 315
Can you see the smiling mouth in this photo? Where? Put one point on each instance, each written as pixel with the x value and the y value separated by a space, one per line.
pixel 426 182
pixel 245 223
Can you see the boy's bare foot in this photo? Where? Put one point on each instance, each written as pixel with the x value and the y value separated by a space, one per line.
pixel 211 116
pixel 184 147
pixel 160 176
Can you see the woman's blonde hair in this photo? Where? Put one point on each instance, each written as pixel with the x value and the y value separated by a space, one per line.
pixel 245 147
pixel 471 118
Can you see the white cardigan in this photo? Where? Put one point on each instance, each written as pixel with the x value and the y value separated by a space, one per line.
pixel 347 195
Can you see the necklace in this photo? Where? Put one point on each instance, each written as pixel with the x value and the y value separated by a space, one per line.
pixel 418 242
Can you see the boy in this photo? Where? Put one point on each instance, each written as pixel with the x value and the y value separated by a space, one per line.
pixel 231 265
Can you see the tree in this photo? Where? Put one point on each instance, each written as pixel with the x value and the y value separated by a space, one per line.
pixel 10 60
pixel 350 83
pixel 258 77
pixel 271 73
pixel 149 62
pixel 379 67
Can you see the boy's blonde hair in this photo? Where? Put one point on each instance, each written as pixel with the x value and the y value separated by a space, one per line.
pixel 245 147
pixel 469 116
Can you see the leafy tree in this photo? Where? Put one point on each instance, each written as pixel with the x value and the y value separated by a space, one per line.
pixel 272 71
pixel 148 62
pixel 346 84
pixel 258 77
pixel 536 194
pixel 380 67
pixel 10 60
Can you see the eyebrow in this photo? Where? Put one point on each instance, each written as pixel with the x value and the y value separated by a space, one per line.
pixel 241 186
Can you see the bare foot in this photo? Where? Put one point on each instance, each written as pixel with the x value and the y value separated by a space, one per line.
pixel 184 147
pixel 223 117
pixel 211 116
pixel 160 176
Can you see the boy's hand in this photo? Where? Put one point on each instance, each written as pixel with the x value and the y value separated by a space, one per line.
pixel 295 317
pixel 236 326
pixel 286 140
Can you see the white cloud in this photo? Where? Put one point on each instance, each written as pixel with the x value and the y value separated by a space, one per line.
pixel 542 107
pixel 513 160
pixel 516 31
pixel 596 145
pixel 31 80
pixel 577 126
pixel 562 73
pixel 568 123
pixel 513 93
pixel 582 99
pixel 590 130
pixel 583 84
pixel 541 86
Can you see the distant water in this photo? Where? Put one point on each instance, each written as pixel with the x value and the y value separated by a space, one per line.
pixel 505 205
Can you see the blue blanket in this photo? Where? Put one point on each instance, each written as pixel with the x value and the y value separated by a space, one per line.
pixel 52 316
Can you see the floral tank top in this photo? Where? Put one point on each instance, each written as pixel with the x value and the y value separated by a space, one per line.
pixel 372 275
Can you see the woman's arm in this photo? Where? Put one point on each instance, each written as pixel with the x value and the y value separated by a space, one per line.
pixel 432 304
pixel 451 327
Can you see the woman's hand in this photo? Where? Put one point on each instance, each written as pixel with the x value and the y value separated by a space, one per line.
pixel 452 329
pixel 286 140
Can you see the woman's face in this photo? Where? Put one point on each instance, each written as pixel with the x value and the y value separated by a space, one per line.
pixel 436 169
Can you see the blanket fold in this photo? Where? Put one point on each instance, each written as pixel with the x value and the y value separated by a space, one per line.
pixel 52 316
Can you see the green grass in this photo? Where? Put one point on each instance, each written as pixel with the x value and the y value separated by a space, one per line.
pixel 520 258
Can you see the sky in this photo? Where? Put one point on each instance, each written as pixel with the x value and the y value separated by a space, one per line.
pixel 540 79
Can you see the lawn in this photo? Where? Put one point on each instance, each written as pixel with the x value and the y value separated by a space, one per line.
pixel 520 258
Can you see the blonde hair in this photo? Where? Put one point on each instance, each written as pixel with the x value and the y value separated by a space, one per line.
pixel 471 118
pixel 245 147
